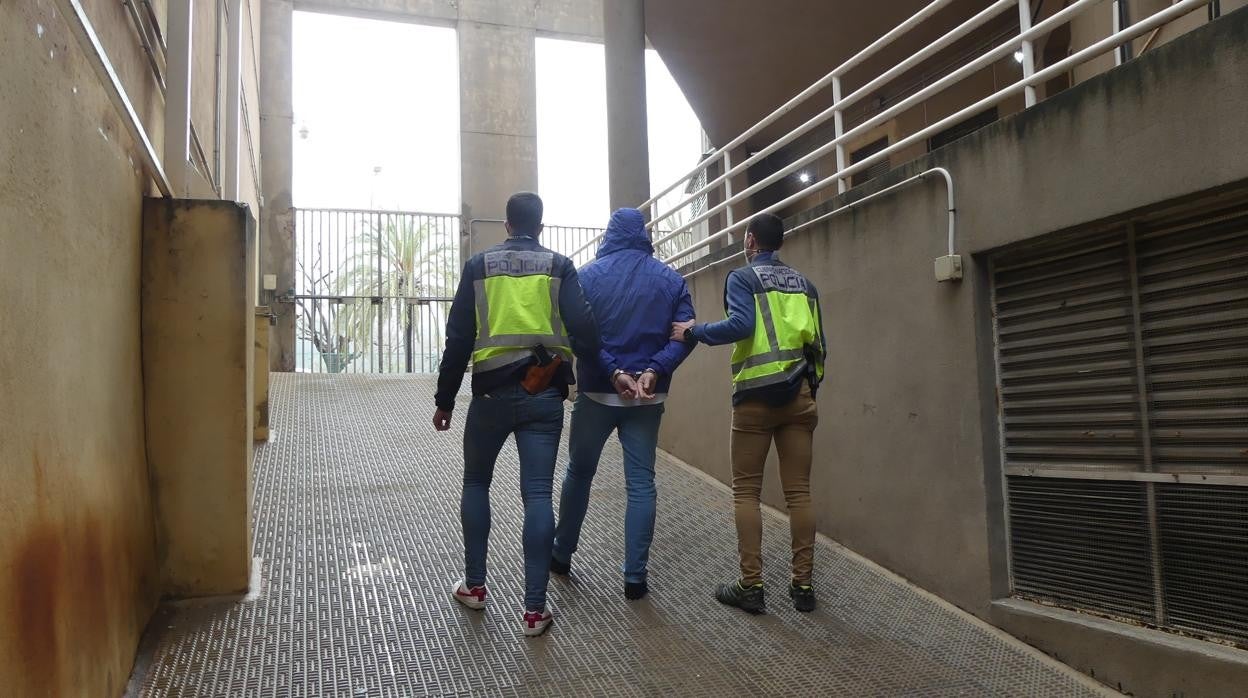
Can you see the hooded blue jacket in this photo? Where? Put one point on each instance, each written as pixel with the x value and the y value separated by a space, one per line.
pixel 635 299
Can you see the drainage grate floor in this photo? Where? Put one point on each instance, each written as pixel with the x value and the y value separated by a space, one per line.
pixel 356 517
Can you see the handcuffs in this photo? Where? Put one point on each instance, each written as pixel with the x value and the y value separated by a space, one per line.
pixel 635 376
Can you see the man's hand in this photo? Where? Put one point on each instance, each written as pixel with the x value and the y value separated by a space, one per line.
pixel 441 420
pixel 625 385
pixel 646 384
pixel 678 330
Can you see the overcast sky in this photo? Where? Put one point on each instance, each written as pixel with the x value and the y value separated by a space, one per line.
pixel 374 94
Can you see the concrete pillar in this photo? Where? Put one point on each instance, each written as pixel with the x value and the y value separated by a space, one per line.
pixel 198 328
pixel 498 124
pixel 277 216
pixel 624 30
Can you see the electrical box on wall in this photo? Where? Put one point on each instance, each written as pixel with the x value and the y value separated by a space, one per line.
pixel 949 267
pixel 270 282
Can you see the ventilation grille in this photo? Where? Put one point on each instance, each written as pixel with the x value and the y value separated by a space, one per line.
pixel 1194 321
pixel 1204 550
pixel 1082 543
pixel 1122 362
pixel 1066 358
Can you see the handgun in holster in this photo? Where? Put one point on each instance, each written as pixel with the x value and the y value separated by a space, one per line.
pixel 812 353
pixel 541 373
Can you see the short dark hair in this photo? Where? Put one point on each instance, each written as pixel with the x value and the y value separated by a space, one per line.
pixel 768 231
pixel 524 213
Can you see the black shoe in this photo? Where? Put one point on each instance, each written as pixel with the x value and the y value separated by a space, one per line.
pixel 560 568
pixel 635 590
pixel 748 599
pixel 803 596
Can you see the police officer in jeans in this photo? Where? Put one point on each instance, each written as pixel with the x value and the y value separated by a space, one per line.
pixel 774 324
pixel 520 315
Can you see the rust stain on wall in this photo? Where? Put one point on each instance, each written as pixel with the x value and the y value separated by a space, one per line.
pixel 63 578
pixel 39 569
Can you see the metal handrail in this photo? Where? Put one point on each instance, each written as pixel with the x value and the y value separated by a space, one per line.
pixel 983 17
pixel 950 208
pixel 89 40
pixel 1006 48
pixel 805 94
pixel 1026 85
pixel 374 211
pixel 1030 79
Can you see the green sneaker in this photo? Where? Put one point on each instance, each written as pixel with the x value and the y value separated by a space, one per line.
pixel 803 596
pixel 748 599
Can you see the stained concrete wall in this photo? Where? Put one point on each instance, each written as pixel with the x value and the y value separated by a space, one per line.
pixel 198 354
pixel 906 468
pixel 78 579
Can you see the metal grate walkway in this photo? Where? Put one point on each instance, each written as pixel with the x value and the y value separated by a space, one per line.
pixel 357 531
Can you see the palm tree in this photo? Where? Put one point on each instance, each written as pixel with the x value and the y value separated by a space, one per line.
pixel 404 258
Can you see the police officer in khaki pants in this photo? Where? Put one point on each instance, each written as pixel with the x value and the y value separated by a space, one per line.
pixel 775 326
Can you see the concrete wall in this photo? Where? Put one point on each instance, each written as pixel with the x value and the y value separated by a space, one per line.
pixel 198 353
pixel 77 573
pixel 907 464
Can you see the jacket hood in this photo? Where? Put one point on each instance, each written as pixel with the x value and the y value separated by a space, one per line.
pixel 626 231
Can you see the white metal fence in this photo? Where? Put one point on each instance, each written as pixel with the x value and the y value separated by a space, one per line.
pixel 372 289
pixel 681 220
pixel 578 243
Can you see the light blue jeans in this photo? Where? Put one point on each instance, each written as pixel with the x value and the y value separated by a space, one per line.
pixel 592 424
pixel 537 422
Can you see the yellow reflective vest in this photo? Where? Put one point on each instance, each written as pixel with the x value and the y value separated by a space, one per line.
pixel 517 307
pixel 786 341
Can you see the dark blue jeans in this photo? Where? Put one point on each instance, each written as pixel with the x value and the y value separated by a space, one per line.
pixel 592 424
pixel 537 422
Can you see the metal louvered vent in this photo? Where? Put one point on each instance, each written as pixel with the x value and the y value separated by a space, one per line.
pixel 1122 365
pixel 1194 317
pixel 1066 359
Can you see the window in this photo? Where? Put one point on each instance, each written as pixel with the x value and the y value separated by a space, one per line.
pixel 965 128
pixel 1122 365
pixel 876 170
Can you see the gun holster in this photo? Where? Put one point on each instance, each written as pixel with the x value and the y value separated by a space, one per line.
pixel 542 372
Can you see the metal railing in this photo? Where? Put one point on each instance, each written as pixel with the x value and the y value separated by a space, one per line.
pixel 675 226
pixel 372 289
pixel 574 242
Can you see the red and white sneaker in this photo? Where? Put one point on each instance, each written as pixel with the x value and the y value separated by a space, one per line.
pixel 537 622
pixel 472 597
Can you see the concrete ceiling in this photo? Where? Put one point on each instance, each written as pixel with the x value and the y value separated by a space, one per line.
pixel 737 60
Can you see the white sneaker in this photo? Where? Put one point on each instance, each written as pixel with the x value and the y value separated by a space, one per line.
pixel 537 622
pixel 473 597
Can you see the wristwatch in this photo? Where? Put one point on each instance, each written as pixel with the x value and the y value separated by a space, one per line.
pixel 688 336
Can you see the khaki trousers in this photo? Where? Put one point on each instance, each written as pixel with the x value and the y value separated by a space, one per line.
pixel 754 426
